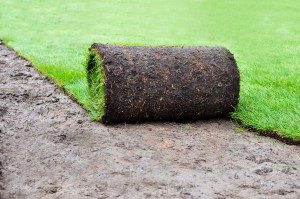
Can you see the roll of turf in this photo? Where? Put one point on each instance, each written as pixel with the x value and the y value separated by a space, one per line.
pixel 135 84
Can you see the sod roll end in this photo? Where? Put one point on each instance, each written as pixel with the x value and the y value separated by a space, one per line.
pixel 135 84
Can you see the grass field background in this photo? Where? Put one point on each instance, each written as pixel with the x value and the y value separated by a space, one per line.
pixel 263 35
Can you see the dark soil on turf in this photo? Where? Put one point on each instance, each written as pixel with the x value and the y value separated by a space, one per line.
pixel 51 149
pixel 167 83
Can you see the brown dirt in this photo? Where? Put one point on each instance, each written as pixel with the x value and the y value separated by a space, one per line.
pixel 167 83
pixel 51 149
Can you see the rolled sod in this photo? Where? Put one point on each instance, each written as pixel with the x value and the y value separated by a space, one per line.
pixel 135 84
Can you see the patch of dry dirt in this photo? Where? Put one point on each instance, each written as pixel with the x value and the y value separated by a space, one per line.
pixel 51 149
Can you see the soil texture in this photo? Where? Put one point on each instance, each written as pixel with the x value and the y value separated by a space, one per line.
pixel 167 83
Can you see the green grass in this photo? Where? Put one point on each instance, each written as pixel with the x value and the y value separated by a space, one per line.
pixel 96 84
pixel 263 35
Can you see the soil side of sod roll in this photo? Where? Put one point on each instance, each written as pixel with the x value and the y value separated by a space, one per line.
pixel 135 84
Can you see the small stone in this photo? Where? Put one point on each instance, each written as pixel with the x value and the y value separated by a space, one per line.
pixel 62 137
pixel 55 99
pixel 236 176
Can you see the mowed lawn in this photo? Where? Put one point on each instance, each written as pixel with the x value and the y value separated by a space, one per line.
pixel 263 35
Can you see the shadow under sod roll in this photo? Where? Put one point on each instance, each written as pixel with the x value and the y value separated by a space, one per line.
pixel 135 84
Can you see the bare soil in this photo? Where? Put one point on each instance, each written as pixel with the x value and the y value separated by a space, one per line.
pixel 51 149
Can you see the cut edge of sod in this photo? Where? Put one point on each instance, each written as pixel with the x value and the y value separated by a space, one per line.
pixel 96 83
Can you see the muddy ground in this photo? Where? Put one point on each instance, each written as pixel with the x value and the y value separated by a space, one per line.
pixel 51 149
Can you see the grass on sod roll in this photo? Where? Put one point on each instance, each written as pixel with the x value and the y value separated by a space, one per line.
pixel 96 83
pixel 263 35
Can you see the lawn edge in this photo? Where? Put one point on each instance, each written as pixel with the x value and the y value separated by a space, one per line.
pixel 52 81
pixel 267 133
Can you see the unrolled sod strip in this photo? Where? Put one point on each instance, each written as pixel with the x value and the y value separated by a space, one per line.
pixel 135 84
